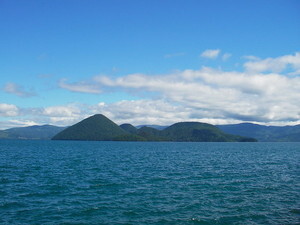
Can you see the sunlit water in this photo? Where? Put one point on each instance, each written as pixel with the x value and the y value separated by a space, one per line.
pixel 65 182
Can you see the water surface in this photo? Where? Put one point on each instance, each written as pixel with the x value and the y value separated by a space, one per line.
pixel 66 182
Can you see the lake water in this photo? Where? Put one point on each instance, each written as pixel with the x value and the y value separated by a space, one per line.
pixel 66 182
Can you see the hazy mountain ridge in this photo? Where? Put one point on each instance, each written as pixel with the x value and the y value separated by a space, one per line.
pixel 264 133
pixel 43 132
pixel 157 127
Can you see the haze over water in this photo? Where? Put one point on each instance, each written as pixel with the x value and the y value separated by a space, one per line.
pixel 57 182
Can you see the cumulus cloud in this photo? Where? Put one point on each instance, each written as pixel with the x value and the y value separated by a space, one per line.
pixel 82 87
pixel 210 53
pixel 205 95
pixel 16 123
pixel 63 115
pixel 220 95
pixel 61 111
pixel 8 110
pixel 59 115
pixel 145 111
pixel 7 124
pixel 276 65
pixel 18 90
pixel 294 73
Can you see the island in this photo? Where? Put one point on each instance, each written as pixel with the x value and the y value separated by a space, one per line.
pixel 99 128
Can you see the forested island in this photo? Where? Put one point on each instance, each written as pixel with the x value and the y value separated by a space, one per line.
pixel 100 128
pixel 261 133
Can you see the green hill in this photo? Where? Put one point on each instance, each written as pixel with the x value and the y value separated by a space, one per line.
pixel 44 132
pixel 190 132
pixel 199 132
pixel 94 128
pixel 151 134
pixel 100 128
pixel 129 128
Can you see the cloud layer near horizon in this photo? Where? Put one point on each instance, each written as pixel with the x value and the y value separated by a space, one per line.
pixel 266 92
pixel 219 95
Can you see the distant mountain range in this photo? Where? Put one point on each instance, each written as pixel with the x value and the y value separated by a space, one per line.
pixel 157 127
pixel 188 131
pixel 100 128
pixel 264 133
pixel 44 132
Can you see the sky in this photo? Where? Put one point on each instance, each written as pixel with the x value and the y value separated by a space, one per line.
pixel 149 61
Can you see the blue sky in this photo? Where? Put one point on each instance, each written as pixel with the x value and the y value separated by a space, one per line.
pixel 145 61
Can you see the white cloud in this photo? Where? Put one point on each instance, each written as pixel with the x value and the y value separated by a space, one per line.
pixel 226 56
pixel 18 90
pixel 219 95
pixel 294 73
pixel 82 87
pixel 8 110
pixel 251 57
pixel 144 111
pixel 206 95
pixel 210 53
pixel 63 115
pixel 276 65
pixel 61 111
pixel 16 123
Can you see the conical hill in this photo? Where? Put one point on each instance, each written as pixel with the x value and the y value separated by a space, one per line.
pixel 94 128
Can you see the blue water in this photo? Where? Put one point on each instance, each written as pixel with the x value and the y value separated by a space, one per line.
pixel 65 182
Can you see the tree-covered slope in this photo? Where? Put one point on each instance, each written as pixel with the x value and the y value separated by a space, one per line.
pixel 151 134
pixel 129 128
pixel 199 132
pixel 44 132
pixel 100 128
pixel 94 128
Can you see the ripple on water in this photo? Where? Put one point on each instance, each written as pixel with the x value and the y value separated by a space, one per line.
pixel 149 183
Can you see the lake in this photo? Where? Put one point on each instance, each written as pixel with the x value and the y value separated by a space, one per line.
pixel 74 182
